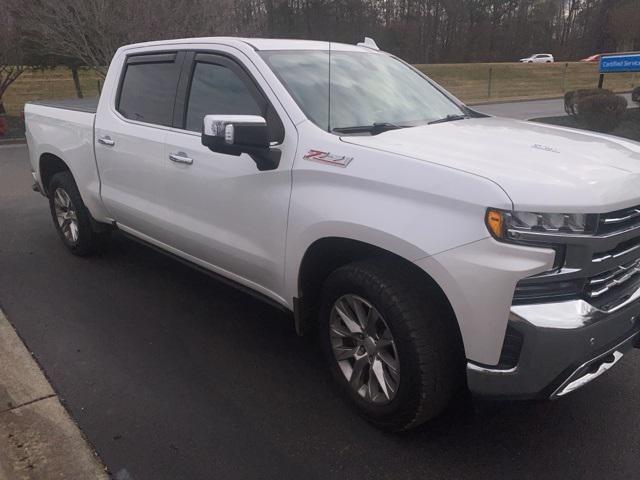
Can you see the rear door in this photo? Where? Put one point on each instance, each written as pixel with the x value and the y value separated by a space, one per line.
pixel 225 212
pixel 130 137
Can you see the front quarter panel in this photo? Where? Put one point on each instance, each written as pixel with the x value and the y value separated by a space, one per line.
pixel 479 279
pixel 410 207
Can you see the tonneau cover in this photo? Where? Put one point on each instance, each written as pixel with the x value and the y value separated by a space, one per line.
pixel 89 105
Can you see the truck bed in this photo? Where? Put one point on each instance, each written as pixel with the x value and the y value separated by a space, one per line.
pixel 64 129
pixel 88 105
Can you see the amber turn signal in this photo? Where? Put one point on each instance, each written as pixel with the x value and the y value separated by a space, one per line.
pixel 495 223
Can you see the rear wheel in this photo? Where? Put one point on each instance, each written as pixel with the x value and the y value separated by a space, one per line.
pixel 72 219
pixel 389 346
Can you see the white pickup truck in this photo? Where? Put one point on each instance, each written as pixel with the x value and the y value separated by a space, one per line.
pixel 430 248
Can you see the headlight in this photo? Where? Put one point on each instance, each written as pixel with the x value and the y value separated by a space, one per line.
pixel 508 225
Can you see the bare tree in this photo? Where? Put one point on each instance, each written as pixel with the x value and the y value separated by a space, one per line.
pixel 90 31
pixel 83 29
pixel 624 22
pixel 12 63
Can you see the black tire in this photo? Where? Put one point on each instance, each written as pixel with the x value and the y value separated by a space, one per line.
pixel 426 338
pixel 91 236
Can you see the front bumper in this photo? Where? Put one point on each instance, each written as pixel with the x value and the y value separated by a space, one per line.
pixel 564 346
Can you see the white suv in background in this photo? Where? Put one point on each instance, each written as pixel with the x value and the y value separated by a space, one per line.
pixel 538 58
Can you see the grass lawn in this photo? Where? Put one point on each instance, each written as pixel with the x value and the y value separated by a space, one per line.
pixel 48 84
pixel 628 128
pixel 470 81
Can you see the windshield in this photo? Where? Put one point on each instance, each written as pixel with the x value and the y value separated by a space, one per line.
pixel 366 89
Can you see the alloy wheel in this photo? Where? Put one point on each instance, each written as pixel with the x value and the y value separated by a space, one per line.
pixel 364 348
pixel 66 215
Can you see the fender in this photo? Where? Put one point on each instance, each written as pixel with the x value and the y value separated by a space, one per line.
pixel 74 146
pixel 346 230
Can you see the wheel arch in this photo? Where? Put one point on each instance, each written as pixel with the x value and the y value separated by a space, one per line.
pixel 49 164
pixel 327 254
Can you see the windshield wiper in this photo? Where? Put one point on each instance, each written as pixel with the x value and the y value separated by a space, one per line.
pixel 449 118
pixel 374 129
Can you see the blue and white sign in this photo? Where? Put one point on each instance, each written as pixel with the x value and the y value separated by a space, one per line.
pixel 628 62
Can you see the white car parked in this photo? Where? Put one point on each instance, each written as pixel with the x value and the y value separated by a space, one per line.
pixel 538 58
pixel 431 248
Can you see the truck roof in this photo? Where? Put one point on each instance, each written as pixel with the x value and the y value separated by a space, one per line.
pixel 258 43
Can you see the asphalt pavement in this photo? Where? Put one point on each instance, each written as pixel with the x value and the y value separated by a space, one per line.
pixel 172 375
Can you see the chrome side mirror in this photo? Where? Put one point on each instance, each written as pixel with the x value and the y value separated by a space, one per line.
pixel 237 134
pixel 235 130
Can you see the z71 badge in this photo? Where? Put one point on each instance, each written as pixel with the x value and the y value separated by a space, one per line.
pixel 329 158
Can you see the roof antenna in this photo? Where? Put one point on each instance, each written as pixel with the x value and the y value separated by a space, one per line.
pixel 329 108
pixel 369 43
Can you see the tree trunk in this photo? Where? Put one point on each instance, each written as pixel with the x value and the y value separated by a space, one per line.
pixel 76 81
pixel 3 121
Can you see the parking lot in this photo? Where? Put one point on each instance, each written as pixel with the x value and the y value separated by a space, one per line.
pixel 171 374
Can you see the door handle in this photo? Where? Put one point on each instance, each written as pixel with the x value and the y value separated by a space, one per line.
pixel 106 141
pixel 180 157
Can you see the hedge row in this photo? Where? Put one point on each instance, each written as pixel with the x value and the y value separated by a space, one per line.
pixel 596 108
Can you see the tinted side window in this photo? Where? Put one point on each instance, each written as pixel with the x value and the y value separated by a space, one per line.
pixel 217 90
pixel 148 92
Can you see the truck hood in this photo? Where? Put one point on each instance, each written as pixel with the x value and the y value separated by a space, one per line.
pixel 540 167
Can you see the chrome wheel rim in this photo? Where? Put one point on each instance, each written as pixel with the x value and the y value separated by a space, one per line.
pixel 364 348
pixel 66 215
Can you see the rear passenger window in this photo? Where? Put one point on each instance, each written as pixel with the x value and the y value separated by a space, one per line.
pixel 217 90
pixel 148 90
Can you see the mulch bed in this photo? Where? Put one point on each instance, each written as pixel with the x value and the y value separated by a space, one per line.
pixel 15 129
pixel 628 128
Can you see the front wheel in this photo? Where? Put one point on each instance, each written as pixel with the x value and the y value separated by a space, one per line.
pixel 389 345
pixel 72 218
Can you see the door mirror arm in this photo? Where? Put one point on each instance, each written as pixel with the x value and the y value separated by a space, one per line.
pixel 266 159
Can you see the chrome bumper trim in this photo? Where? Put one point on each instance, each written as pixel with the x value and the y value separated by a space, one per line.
pixel 568 314
pixel 494 371
pixel 566 345
pixel 582 375
pixel 587 377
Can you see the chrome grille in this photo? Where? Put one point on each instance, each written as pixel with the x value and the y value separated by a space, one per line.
pixel 620 251
pixel 602 268
pixel 619 220
pixel 602 283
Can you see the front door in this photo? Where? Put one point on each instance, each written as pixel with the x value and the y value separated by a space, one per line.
pixel 224 211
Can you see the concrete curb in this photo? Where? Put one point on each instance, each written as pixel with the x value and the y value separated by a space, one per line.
pixel 38 438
